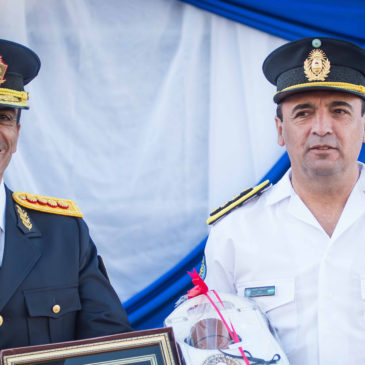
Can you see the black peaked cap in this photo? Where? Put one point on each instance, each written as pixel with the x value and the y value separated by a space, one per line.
pixel 21 65
pixel 315 64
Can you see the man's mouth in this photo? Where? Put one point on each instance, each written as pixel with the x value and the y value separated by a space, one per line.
pixel 322 148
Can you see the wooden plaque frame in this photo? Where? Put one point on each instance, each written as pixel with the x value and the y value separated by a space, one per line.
pixel 149 347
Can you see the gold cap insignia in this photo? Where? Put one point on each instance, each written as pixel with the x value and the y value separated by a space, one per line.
pixel 317 66
pixel 3 67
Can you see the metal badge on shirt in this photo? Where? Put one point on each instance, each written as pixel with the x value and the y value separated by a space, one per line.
pixel 260 291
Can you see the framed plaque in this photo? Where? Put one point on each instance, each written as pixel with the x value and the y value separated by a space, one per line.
pixel 149 347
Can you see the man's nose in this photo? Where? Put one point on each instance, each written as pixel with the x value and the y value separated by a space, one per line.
pixel 322 124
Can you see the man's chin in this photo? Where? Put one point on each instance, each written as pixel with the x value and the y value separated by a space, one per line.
pixel 324 169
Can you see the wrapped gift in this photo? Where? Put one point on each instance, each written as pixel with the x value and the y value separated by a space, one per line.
pixel 220 328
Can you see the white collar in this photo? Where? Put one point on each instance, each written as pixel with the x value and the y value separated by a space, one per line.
pixel 284 189
pixel 281 190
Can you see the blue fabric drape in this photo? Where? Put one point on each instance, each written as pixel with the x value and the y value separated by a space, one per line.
pixel 286 19
pixel 295 19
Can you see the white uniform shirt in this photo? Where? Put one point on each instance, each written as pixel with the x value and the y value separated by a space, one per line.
pixel 2 220
pixel 318 308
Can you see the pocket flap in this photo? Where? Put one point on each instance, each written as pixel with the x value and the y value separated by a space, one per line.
pixel 52 302
pixel 283 292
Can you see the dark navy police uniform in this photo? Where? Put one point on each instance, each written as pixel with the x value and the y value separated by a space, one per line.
pixel 53 288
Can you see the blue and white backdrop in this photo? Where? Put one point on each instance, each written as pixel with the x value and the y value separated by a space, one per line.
pixel 148 114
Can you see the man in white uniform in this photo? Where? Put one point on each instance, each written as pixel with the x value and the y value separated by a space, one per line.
pixel 298 250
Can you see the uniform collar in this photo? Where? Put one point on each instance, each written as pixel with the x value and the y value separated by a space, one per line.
pixel 281 190
pixel 361 182
pixel 284 189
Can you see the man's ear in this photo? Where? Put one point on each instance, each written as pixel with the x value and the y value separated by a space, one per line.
pixel 279 129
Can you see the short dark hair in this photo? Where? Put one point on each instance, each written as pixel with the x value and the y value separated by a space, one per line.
pixel 279 111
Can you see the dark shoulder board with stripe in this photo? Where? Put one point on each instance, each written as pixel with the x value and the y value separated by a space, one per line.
pixel 237 201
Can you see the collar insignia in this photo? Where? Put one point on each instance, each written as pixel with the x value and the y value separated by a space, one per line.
pixel 23 216
pixel 3 67
pixel 317 66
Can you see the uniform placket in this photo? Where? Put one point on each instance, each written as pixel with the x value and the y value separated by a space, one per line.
pixel 323 312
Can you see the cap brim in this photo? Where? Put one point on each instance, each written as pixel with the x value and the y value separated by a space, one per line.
pixel 281 95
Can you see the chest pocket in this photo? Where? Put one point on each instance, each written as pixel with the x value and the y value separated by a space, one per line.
pixel 52 314
pixel 280 308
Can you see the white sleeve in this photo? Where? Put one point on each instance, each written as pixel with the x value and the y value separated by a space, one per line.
pixel 219 261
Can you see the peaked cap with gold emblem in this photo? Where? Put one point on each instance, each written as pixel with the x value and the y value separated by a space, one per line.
pixel 18 66
pixel 316 64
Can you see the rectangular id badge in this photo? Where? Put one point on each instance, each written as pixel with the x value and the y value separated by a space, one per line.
pixel 260 291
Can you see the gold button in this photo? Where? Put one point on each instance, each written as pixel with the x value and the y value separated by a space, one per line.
pixel 56 309
pixel 1 321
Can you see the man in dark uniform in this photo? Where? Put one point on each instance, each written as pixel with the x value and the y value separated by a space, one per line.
pixel 53 285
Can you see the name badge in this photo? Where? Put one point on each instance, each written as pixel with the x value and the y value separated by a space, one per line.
pixel 260 291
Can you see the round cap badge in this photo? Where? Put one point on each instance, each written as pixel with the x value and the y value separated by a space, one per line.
pixel 316 43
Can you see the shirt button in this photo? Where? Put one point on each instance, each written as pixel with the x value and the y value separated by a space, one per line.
pixel 1 320
pixel 56 309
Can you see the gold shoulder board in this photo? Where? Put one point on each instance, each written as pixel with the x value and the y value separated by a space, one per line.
pixel 237 201
pixel 47 204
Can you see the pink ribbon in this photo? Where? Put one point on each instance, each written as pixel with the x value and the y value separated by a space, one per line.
pixel 201 288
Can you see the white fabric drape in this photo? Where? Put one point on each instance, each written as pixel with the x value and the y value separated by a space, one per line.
pixel 148 114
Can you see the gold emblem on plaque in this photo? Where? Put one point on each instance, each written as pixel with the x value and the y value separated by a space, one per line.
pixel 3 67
pixel 317 66
pixel 24 217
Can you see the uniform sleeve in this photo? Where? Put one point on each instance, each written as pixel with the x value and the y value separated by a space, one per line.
pixel 102 312
pixel 219 260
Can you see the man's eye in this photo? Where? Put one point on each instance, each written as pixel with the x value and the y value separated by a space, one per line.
pixel 302 114
pixel 340 111
pixel 7 118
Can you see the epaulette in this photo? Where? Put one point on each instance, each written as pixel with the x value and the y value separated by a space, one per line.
pixel 47 204
pixel 237 201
